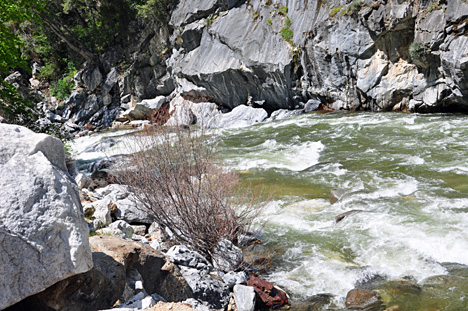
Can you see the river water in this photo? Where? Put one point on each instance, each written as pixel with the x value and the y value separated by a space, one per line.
pixel 407 173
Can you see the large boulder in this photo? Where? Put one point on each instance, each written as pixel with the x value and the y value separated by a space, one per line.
pixel 122 270
pixel 241 116
pixel 43 235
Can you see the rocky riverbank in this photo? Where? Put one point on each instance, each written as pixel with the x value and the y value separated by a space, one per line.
pixel 129 262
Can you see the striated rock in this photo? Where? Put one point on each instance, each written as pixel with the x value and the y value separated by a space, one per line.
pixel 244 297
pixel 226 256
pixel 360 299
pixel 267 294
pixel 43 234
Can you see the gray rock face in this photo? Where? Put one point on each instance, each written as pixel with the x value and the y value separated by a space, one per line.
pixel 244 297
pixel 43 234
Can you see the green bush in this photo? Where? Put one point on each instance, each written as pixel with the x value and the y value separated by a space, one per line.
pixel 287 23
pixel 287 34
pixel 417 50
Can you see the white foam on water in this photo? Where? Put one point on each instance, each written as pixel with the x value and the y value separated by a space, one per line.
pixel 295 157
pixel 414 160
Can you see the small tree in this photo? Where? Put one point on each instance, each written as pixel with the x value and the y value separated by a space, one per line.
pixel 177 178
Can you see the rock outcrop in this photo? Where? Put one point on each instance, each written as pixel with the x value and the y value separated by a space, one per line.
pixel 377 55
pixel 43 235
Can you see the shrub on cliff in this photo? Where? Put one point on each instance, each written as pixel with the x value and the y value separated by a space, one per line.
pixel 179 180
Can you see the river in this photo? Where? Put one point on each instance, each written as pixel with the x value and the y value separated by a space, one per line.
pixel 406 173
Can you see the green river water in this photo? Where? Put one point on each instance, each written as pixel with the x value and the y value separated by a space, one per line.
pixel 408 173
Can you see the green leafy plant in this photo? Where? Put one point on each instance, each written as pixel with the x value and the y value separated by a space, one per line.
pixel 417 50
pixel 269 22
pixel 287 34
pixel 62 88
pixel 287 22
pixel 335 11
pixel 283 10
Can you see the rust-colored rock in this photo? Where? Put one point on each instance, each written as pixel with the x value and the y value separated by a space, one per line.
pixel 270 296
pixel 360 299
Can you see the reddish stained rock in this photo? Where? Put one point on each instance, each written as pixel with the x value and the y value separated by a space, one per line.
pixel 271 296
pixel 360 299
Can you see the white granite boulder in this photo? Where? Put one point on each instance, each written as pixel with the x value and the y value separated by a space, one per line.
pixel 43 234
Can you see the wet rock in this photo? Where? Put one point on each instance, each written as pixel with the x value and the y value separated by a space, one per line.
pixel 360 299
pixel 43 234
pixel 346 214
pixel 336 195
pixel 282 114
pixel 226 256
pixel 267 294
pixel 101 146
pixel 312 105
pixel 244 297
pixel 241 116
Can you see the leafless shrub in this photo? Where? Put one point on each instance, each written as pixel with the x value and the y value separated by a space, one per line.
pixel 179 180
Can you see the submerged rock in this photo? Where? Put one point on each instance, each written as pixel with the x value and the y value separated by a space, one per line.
pixel 346 214
pixel 43 235
pixel 360 299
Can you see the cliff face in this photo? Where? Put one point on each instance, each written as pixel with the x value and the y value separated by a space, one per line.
pixel 378 55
